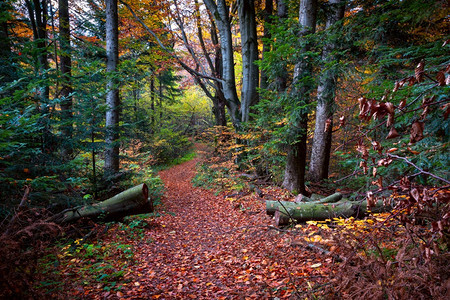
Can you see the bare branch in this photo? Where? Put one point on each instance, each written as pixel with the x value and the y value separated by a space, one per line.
pixel 418 168
pixel 170 51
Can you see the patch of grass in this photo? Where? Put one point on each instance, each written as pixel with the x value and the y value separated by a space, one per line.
pixel 219 177
pixel 177 161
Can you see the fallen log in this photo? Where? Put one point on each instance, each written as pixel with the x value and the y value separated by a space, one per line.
pixel 314 211
pixel 130 202
pixel 272 205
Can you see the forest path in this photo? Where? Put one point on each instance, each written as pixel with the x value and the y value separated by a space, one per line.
pixel 203 247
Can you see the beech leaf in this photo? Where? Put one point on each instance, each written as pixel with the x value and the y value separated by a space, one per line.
pixel 416 131
pixel 440 77
pixel 419 71
pixel 415 194
pixel 392 133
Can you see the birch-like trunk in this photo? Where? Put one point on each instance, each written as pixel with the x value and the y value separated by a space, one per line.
pixel 321 148
pixel 294 174
pixel 112 96
pixel 249 44
pixel 221 15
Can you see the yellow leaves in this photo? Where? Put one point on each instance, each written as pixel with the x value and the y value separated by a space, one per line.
pixel 282 122
pixel 314 239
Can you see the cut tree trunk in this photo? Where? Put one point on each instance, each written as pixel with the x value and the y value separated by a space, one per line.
pixel 272 206
pixel 130 202
pixel 316 211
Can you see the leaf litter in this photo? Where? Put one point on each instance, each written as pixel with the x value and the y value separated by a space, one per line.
pixel 204 246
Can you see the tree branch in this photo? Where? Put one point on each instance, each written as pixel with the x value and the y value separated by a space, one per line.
pixel 169 51
pixel 418 168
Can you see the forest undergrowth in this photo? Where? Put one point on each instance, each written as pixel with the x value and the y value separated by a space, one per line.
pixel 216 242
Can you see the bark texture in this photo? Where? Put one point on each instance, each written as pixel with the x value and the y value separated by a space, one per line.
pixel 294 174
pixel 132 201
pixel 267 15
pixel 321 147
pixel 312 211
pixel 273 206
pixel 112 96
pixel 282 14
pixel 66 74
pixel 249 44
pixel 220 12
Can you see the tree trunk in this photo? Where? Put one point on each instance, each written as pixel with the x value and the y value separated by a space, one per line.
pixel 249 44
pixel 221 16
pixel 321 148
pixel 282 13
pixel 267 15
pixel 294 175
pixel 112 96
pixel 152 103
pixel 66 72
pixel 132 201
pixel 272 206
pixel 221 118
pixel 313 211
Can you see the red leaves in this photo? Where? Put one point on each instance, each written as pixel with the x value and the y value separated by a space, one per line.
pixel 370 107
pixel 208 250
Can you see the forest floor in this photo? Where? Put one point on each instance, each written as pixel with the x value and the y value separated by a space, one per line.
pixel 207 246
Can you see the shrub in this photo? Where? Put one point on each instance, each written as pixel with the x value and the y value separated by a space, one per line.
pixel 167 145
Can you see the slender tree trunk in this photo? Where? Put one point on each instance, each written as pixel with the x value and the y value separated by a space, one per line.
pixel 282 13
pixel 66 72
pixel 221 118
pixel 37 11
pixel 112 96
pixel 294 175
pixel 152 97
pixel 321 148
pixel 249 43
pixel 160 100
pixel 268 11
pixel 221 16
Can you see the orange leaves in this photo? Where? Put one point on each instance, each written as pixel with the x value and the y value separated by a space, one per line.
pixel 369 108
pixel 416 131
pixel 418 72
pixel 440 78
pixel 392 133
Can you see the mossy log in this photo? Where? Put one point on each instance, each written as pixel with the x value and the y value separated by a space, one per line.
pixel 130 202
pixel 272 206
pixel 314 211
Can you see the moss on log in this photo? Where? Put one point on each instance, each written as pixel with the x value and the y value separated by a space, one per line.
pixel 272 206
pixel 302 212
pixel 132 201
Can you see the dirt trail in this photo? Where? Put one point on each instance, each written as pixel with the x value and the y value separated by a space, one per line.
pixel 204 248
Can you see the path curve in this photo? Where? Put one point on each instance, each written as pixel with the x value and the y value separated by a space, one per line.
pixel 203 247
